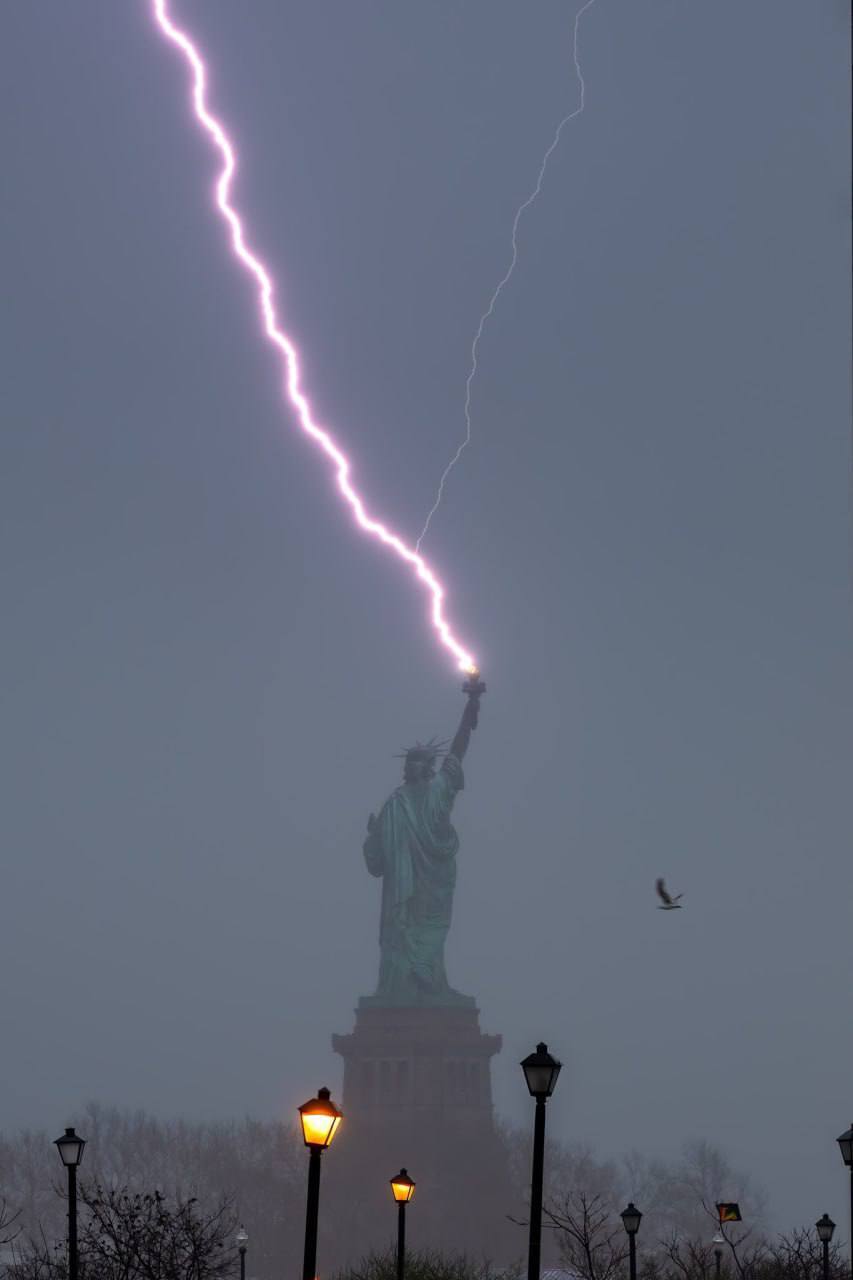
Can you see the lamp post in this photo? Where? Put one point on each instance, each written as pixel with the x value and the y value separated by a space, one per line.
pixel 70 1148
pixel 402 1188
pixel 631 1219
pixel 242 1241
pixel 540 1073
pixel 825 1227
pixel 845 1143
pixel 718 1243
pixel 320 1120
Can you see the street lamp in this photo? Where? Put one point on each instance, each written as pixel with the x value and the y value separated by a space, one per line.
pixel 825 1227
pixel 631 1219
pixel 845 1142
pixel 402 1188
pixel 540 1073
pixel 242 1241
pixel 320 1120
pixel 718 1243
pixel 70 1148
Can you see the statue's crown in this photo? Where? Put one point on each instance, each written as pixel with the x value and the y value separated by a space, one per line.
pixel 426 751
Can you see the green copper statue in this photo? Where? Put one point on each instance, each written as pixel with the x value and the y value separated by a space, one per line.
pixel 412 846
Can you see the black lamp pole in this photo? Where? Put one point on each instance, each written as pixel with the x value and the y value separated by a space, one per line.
pixel 70 1148
pixel 631 1219
pixel 717 1242
pixel 242 1243
pixel 845 1143
pixel 312 1213
pixel 320 1120
pixel 402 1189
pixel 825 1228
pixel 401 1239
pixel 540 1072
pixel 72 1222
pixel 537 1178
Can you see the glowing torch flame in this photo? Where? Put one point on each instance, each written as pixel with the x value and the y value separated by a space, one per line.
pixel 284 343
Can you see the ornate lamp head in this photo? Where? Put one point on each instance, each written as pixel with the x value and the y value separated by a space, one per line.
pixel 402 1187
pixel 320 1120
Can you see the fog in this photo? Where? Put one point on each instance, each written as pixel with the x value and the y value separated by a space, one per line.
pixel 209 672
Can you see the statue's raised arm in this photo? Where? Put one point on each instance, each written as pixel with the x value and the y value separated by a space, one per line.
pixel 475 689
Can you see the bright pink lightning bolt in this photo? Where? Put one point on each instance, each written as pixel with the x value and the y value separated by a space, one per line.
pixel 286 345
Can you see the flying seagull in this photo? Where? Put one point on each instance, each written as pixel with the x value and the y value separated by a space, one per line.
pixel 668 902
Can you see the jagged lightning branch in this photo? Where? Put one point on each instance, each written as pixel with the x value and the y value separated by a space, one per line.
pixel 285 344
pixel 519 213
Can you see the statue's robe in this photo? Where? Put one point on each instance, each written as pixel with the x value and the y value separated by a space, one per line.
pixel 413 847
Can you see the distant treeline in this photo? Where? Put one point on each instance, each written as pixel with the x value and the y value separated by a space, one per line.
pixel 254 1172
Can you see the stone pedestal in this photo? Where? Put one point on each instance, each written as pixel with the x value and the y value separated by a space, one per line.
pixel 422 1073
pixel 417 1092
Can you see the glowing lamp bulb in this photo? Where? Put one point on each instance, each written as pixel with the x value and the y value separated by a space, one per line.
pixel 320 1120
pixel 402 1187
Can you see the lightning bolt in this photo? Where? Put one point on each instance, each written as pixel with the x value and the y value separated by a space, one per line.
pixel 285 344
pixel 504 281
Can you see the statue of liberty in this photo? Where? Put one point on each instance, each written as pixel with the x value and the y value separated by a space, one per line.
pixel 412 846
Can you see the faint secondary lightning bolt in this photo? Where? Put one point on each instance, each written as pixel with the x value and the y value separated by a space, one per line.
pixel 519 213
pixel 286 345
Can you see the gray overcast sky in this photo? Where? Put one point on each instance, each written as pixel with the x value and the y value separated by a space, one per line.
pixel 207 673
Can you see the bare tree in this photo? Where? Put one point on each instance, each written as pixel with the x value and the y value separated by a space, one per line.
pixel 686 1258
pixel 795 1256
pixel 138 1236
pixel 591 1243
pixel 258 1165
pixel 798 1255
pixel 9 1222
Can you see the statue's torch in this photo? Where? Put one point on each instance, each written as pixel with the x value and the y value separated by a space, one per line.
pixel 475 688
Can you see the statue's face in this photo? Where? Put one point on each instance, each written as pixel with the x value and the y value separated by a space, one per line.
pixel 417 769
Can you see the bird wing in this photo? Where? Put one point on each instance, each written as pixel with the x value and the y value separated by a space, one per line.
pixel 661 892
